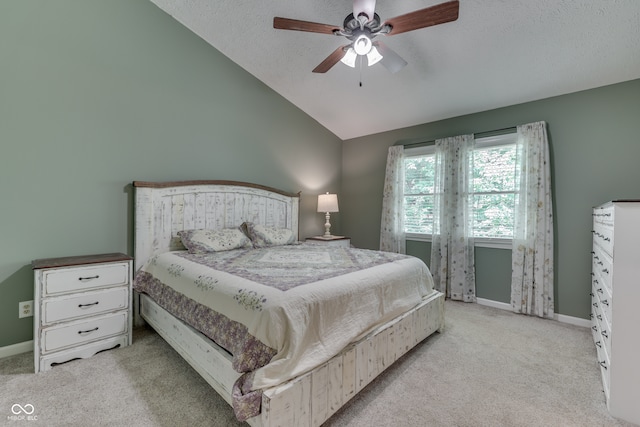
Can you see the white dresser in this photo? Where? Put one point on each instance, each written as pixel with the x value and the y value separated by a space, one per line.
pixel 82 305
pixel 615 298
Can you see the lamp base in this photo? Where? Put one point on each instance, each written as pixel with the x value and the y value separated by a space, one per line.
pixel 327 225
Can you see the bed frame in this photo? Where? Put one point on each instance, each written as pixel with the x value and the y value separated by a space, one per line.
pixel 163 209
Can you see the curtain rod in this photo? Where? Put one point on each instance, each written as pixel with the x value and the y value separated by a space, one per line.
pixel 413 143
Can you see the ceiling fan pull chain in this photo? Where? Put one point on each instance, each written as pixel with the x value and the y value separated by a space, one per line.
pixel 360 57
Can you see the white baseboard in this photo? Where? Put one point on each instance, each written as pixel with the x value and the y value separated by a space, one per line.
pixel 12 350
pixel 559 317
pixel 494 304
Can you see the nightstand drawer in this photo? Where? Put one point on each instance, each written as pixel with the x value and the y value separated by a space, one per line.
pixel 82 278
pixel 80 332
pixel 339 241
pixel 86 304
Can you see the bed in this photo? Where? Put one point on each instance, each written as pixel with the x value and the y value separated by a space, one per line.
pixel 298 340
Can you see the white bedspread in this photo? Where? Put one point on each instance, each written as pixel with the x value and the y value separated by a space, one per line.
pixel 296 299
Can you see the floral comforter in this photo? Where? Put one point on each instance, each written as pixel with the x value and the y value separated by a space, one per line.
pixel 281 311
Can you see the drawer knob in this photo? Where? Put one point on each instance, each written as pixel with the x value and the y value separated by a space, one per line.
pixel 88 305
pixel 89 278
pixel 88 331
pixel 603 364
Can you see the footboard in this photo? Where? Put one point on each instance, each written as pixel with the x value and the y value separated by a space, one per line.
pixel 311 399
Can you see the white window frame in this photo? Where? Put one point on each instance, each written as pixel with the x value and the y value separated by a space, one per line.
pixel 485 142
pixel 416 152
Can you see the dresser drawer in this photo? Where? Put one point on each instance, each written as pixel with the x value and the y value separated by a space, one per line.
pixel 85 304
pixel 80 332
pixel 602 266
pixel 605 302
pixel 603 236
pixel 605 369
pixel 77 279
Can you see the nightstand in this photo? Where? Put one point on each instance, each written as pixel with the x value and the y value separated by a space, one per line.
pixel 82 305
pixel 340 241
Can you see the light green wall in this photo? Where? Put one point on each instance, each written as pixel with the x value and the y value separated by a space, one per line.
pixel 95 94
pixel 594 158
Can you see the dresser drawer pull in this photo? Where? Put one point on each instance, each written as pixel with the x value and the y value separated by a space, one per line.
pixel 605 270
pixel 598 344
pixel 600 290
pixel 88 331
pixel 595 328
pixel 605 334
pixel 599 316
pixel 97 276
pixel 605 302
pixel 88 305
pixel 603 364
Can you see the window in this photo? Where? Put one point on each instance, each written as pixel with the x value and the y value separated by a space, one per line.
pixel 419 170
pixel 493 190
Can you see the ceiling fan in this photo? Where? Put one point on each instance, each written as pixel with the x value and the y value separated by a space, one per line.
pixel 363 25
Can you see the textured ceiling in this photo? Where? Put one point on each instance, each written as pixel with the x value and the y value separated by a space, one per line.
pixel 498 53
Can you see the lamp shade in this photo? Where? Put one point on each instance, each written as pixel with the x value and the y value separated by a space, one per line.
pixel 327 203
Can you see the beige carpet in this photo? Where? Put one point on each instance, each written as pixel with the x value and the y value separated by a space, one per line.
pixel 489 368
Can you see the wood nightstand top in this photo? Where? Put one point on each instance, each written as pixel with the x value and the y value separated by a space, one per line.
pixel 78 260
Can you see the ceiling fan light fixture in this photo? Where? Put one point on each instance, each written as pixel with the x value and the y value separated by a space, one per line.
pixel 373 57
pixel 349 58
pixel 362 45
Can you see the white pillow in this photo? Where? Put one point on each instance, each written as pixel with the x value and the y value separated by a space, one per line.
pixel 262 236
pixel 203 240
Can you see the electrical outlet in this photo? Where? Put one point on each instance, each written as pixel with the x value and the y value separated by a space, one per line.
pixel 25 309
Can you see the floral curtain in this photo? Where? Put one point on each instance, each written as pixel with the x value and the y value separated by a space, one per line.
pixel 452 247
pixel 392 237
pixel 532 258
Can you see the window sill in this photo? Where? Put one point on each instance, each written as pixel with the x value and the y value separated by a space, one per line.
pixel 479 242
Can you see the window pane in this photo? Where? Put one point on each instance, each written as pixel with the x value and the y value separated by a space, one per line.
pixel 494 169
pixel 418 214
pixel 493 215
pixel 418 175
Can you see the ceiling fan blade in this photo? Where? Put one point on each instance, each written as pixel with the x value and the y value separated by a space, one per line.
pixel 391 60
pixel 331 60
pixel 367 7
pixel 434 15
pixel 297 25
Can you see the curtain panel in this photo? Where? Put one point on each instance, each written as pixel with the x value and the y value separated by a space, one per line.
pixel 452 247
pixel 392 236
pixel 532 257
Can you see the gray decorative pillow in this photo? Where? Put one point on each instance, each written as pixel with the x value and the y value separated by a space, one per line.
pixel 202 241
pixel 262 236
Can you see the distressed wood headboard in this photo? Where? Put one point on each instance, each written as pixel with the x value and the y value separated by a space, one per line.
pixel 164 208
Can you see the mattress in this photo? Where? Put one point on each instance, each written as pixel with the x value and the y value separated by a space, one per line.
pixel 281 311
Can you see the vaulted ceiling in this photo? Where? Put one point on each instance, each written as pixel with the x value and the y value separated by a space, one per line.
pixel 497 53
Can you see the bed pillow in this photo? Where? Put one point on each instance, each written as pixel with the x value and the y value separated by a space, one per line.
pixel 203 241
pixel 262 236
